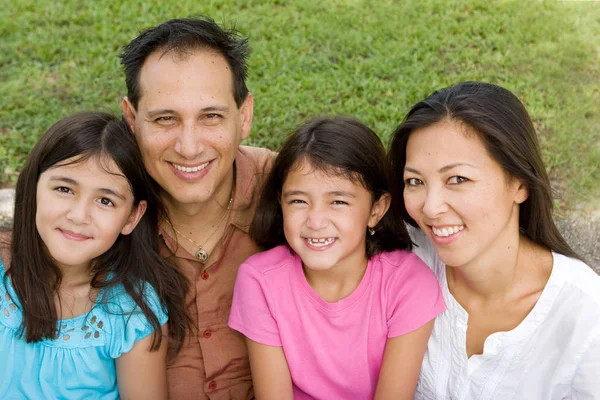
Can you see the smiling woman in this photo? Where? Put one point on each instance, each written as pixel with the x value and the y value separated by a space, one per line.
pixel 469 178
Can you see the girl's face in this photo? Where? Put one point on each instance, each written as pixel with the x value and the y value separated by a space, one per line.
pixel 461 197
pixel 82 209
pixel 325 217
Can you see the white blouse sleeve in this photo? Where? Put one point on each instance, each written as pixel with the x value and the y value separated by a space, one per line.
pixel 586 382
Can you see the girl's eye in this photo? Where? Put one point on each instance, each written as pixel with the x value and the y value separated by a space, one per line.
pixel 296 201
pixel 413 182
pixel 340 202
pixel 63 189
pixel 455 180
pixel 106 202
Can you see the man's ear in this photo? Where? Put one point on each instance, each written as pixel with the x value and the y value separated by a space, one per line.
pixel 136 215
pixel 128 112
pixel 378 209
pixel 247 112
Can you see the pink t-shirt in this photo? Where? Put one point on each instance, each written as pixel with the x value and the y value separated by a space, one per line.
pixel 333 350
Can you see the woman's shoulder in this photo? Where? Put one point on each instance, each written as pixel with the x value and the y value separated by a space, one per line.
pixel 577 276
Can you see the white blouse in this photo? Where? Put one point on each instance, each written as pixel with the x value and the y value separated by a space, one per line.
pixel 553 354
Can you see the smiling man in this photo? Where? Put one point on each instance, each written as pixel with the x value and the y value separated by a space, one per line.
pixel 189 108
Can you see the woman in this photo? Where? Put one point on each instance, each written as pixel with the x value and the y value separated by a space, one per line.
pixel 523 312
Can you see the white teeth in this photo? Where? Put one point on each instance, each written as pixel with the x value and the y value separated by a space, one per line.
pixel 320 242
pixel 190 169
pixel 447 231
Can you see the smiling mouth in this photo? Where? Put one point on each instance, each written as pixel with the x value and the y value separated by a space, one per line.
pixel 196 168
pixel 74 236
pixel 447 231
pixel 320 242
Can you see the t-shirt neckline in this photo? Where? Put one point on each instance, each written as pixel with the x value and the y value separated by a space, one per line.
pixel 337 306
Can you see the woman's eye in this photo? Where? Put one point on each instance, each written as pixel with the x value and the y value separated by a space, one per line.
pixel 296 201
pixel 456 180
pixel 106 202
pixel 413 182
pixel 63 189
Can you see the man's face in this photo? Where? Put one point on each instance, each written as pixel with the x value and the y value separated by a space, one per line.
pixel 188 125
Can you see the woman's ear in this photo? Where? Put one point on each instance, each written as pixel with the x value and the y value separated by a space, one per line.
pixel 378 209
pixel 521 193
pixel 136 215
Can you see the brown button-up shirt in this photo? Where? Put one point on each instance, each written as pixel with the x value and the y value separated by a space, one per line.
pixel 213 362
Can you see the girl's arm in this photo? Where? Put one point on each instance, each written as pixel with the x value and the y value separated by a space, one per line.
pixel 142 374
pixel 270 373
pixel 401 366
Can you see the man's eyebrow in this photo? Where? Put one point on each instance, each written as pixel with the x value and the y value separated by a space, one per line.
pixel 162 111
pixel 441 170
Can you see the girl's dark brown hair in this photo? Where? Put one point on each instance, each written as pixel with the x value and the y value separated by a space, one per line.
pixel 132 261
pixel 335 146
pixel 503 124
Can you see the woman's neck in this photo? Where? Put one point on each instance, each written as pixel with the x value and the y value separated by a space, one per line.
pixel 502 274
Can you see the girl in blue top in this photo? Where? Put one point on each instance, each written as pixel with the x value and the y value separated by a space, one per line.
pixel 84 294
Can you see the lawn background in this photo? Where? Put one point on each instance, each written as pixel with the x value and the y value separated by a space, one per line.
pixel 370 59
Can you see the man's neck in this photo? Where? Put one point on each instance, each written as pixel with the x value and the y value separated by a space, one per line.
pixel 197 216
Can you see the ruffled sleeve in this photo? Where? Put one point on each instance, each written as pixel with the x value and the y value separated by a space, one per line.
pixel 127 324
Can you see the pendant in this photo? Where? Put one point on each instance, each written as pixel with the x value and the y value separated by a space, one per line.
pixel 201 255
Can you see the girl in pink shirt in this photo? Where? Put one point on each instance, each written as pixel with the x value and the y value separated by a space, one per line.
pixel 337 307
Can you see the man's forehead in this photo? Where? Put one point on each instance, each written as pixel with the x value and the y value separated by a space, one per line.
pixel 195 71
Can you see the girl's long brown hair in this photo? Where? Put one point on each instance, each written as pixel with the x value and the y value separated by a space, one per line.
pixel 133 261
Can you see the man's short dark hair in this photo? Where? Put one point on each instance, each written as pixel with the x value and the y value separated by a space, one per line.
pixel 183 35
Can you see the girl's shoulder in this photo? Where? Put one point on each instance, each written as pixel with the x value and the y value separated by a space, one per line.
pixel 5 243
pixel 271 259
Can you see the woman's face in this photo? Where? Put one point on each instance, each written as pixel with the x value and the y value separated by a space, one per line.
pixel 461 197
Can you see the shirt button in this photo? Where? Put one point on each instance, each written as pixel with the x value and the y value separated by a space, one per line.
pixel 212 385
pixel 207 334
pixel 204 275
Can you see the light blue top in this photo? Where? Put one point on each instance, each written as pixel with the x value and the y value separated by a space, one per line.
pixel 80 362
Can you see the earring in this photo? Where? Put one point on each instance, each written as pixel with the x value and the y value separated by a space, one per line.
pixel 371 230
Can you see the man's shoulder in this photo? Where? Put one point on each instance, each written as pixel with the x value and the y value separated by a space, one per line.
pixel 258 158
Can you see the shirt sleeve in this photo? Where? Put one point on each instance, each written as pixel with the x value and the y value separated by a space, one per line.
pixel 414 297
pixel 128 324
pixel 586 382
pixel 251 310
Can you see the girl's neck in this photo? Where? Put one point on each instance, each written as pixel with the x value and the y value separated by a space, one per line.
pixel 338 282
pixel 75 296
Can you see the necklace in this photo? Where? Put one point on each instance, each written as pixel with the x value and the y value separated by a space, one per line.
pixel 202 254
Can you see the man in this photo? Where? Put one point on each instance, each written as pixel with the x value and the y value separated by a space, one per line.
pixel 189 107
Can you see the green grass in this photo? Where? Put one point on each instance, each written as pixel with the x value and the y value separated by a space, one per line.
pixel 363 58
